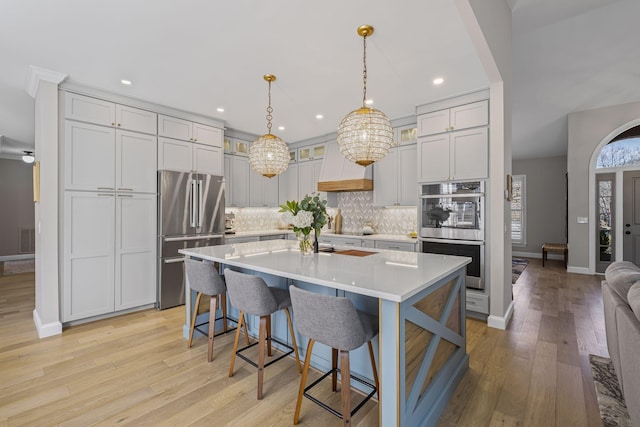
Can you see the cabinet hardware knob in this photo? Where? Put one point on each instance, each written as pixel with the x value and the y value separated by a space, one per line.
pixel 113 124
pixel 119 124
pixel 195 139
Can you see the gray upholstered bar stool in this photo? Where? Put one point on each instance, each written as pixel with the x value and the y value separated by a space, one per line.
pixel 204 278
pixel 335 322
pixel 251 295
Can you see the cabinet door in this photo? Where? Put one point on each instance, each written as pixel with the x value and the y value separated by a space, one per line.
pixel 263 191
pixel 228 193
pixel 395 246
pixel 175 128
pixel 137 120
pixel 135 253
pixel 89 154
pixel 433 123
pixel 240 178
pixel 207 159
pixel 271 188
pixel 288 184
pixel 90 110
pixel 385 179
pixel 88 254
pixel 306 179
pixel 407 175
pixel 470 115
pixel 470 154
pixel 175 155
pixel 207 135
pixel 433 157
pixel 136 165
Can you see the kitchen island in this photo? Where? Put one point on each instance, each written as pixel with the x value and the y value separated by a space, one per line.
pixel 420 300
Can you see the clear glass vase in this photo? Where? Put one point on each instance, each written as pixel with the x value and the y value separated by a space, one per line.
pixel 305 244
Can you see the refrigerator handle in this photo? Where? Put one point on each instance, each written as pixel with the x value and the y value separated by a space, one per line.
pixel 193 212
pixel 200 214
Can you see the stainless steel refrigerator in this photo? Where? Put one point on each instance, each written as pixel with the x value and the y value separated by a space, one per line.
pixel 190 214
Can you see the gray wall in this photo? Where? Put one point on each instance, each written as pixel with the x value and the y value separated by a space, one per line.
pixel 16 203
pixel 545 205
pixel 587 129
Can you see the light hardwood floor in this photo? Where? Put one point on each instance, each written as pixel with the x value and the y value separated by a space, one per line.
pixel 136 370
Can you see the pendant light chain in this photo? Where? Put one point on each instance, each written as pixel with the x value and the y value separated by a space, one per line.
pixel 364 72
pixel 269 110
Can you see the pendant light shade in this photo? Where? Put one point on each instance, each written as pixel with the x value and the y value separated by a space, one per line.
pixel 269 154
pixel 365 135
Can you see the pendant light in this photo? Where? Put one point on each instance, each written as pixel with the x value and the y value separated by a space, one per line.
pixel 28 157
pixel 269 155
pixel 365 135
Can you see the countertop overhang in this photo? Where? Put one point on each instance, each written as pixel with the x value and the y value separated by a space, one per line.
pixel 389 275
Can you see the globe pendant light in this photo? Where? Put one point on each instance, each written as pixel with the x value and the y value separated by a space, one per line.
pixel 269 155
pixel 365 135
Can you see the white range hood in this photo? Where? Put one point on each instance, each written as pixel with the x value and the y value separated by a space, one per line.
pixel 339 174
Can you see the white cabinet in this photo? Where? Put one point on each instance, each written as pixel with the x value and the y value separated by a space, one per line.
pixel 135 251
pixel 288 184
pixel 88 250
pixel 340 241
pixel 395 178
pixel 456 118
pixel 263 191
pixel 312 152
pixel 136 162
pixel 185 156
pixel 89 157
pixel 308 174
pixel 236 172
pixel 172 127
pixel 104 113
pixel 109 253
pixel 450 156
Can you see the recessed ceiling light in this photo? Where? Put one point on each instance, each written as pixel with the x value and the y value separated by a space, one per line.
pixel 319 116
pixel 369 101
pixel 220 110
pixel 280 127
pixel 438 81
pixel 126 82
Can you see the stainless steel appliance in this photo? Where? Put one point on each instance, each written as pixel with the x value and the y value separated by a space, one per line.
pixel 452 223
pixel 191 214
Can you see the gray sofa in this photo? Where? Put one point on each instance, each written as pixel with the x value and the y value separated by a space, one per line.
pixel 621 298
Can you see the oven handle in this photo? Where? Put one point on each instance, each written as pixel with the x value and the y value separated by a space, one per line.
pixel 452 196
pixel 457 242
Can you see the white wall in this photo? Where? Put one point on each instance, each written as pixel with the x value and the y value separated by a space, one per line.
pixel 16 194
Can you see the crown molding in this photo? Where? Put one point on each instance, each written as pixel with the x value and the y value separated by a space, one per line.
pixel 36 74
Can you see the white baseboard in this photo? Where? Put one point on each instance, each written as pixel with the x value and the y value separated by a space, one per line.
pixel 47 330
pixel 501 322
pixel 538 255
pixel 17 257
pixel 578 270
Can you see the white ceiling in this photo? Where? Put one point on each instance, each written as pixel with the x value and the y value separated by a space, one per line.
pixel 199 55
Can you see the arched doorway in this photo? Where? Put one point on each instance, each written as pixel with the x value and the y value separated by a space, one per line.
pixel 617 194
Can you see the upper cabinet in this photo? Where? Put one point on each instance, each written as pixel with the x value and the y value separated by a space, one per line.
pixel 189 157
pixel 404 135
pixel 236 146
pixel 312 152
pixel 104 113
pixel 396 178
pixel 172 127
pixel 263 191
pixel 461 117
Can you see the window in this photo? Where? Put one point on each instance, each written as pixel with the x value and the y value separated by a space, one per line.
pixel 621 152
pixel 518 223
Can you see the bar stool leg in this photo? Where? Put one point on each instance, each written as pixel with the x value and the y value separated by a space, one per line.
pixel 334 367
pixel 235 342
pixel 293 339
pixel 268 338
pixel 345 387
pixel 213 302
pixel 246 331
pixel 303 382
pixel 223 302
pixel 193 319
pixel 261 344
pixel 374 368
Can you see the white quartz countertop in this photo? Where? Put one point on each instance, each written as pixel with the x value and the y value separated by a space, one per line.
pixel 390 275
pixel 275 232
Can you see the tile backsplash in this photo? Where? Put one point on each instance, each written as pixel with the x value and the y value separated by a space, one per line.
pixel 356 209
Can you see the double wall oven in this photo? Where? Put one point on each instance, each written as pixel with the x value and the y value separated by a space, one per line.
pixel 452 223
